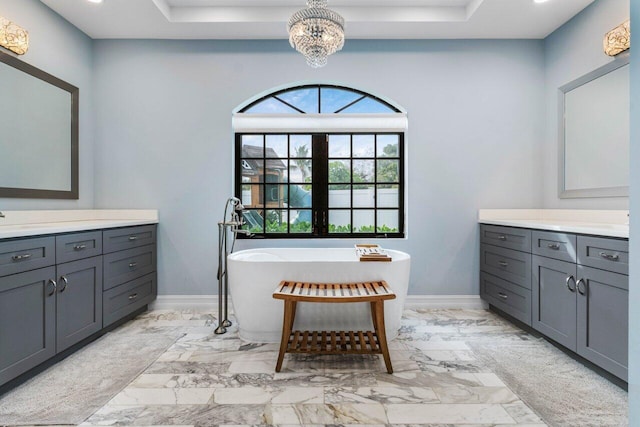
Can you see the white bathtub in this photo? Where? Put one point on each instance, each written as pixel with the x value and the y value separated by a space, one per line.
pixel 255 273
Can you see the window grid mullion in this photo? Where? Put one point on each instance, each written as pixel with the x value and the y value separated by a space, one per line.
pixel 351 186
pixel 320 186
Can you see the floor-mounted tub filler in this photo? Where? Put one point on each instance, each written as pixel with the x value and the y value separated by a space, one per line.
pixel 255 273
pixel 232 225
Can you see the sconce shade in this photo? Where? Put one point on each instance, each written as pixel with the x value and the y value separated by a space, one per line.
pixel 618 40
pixel 13 37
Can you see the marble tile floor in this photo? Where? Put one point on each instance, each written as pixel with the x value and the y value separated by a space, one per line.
pixel 206 379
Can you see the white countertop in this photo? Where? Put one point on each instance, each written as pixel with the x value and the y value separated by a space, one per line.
pixel 33 223
pixel 609 223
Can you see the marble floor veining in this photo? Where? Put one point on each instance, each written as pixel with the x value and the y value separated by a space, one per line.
pixel 206 379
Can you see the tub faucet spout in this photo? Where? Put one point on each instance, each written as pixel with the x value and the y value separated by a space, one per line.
pixel 1 215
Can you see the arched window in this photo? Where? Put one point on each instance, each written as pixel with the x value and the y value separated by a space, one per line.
pixel 320 161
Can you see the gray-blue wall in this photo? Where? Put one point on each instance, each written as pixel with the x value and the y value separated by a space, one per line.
pixel 571 52
pixel 58 48
pixel 164 140
pixel 634 197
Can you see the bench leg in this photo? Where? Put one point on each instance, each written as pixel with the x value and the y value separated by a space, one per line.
pixel 377 315
pixel 287 325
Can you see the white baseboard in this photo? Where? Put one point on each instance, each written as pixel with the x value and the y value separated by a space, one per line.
pixel 185 302
pixel 470 302
pixel 210 302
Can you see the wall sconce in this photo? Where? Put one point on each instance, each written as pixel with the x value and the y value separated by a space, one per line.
pixel 13 37
pixel 618 40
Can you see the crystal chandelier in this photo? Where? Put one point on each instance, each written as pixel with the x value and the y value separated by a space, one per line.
pixel 316 32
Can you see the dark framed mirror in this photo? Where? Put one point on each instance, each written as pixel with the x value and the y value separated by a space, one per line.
pixel 38 133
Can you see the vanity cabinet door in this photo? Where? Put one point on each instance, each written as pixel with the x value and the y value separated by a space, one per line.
pixel 27 321
pixel 79 299
pixel 554 300
pixel 603 319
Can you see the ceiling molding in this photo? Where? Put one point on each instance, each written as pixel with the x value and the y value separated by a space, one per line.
pixel 365 19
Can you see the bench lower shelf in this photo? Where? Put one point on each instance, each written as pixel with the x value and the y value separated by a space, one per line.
pixel 334 342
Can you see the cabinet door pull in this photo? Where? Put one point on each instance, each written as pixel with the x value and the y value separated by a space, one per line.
pixel 610 257
pixel 79 247
pixel 55 286
pixel 502 237
pixel 503 296
pixel 503 263
pixel 580 290
pixel 65 281
pixel 133 264
pixel 132 297
pixel 569 280
pixel 22 257
pixel 132 238
pixel 553 246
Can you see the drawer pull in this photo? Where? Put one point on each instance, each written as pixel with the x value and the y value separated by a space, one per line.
pixel 133 264
pixel 569 280
pixel 503 296
pixel 503 263
pixel 79 247
pixel 580 290
pixel 22 257
pixel 553 246
pixel 66 282
pixel 132 297
pixel 610 257
pixel 132 238
pixel 502 237
pixel 55 286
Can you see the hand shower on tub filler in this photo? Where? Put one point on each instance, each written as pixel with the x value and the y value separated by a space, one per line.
pixel 234 225
pixel 235 221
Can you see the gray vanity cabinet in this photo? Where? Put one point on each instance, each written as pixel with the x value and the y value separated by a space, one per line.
pixel 130 278
pixel 603 302
pixel 505 270
pixel 579 289
pixel 554 300
pixel 54 293
pixel 79 301
pixel 27 321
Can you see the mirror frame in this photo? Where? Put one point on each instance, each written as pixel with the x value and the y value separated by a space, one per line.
pixel 620 61
pixel 33 193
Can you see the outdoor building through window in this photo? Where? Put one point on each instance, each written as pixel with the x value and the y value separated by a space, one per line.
pixel 324 180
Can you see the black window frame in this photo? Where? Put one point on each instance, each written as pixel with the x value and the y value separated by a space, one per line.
pixel 320 186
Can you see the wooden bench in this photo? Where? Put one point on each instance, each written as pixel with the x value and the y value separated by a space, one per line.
pixel 332 342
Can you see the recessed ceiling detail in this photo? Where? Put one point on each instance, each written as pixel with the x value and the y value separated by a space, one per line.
pixel 366 19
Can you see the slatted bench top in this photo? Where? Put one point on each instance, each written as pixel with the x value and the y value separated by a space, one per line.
pixel 333 292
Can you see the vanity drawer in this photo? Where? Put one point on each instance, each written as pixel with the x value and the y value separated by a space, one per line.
pixel 512 299
pixel 21 255
pixel 123 266
pixel 560 246
pixel 506 237
pixel 71 247
pixel 130 237
pixel 603 253
pixel 507 264
pixel 127 298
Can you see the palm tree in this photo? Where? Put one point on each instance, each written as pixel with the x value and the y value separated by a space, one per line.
pixel 302 163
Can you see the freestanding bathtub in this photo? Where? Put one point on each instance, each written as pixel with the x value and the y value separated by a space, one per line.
pixel 255 273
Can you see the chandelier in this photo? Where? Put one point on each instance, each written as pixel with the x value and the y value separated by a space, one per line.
pixel 316 32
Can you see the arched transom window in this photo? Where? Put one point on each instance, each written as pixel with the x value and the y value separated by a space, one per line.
pixel 320 161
